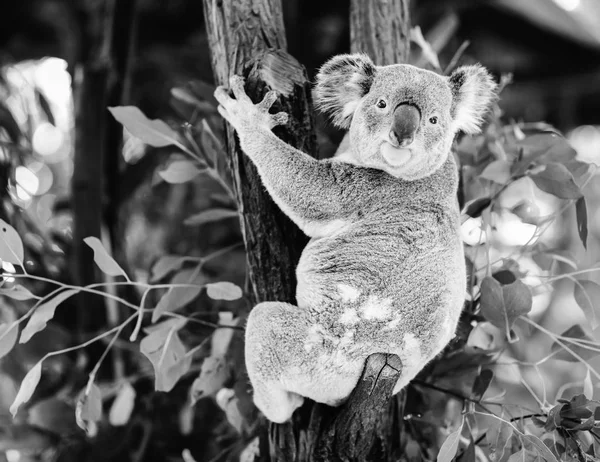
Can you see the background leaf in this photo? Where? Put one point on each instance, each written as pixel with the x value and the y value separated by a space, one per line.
pixel 180 171
pixel 223 291
pixel 503 304
pixel 538 446
pixel 481 384
pixel 166 265
pixel 213 374
pixel 122 406
pixel 178 297
pixel 582 220
pixel 587 296
pixel 105 262
pixel 497 171
pixel 156 133
pixel 17 292
pixel 209 216
pixel 43 314
pixel 89 409
pixel 574 332
pixel 8 337
pixel 555 179
pixel 475 207
pixel 167 358
pixel 11 245
pixel 28 386
pixel 450 445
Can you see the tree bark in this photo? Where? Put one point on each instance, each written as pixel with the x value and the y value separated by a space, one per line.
pixel 247 38
pixel 381 29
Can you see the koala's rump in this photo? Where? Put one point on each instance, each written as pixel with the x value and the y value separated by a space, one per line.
pixel 361 285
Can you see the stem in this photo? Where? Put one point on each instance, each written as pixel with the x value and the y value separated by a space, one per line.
pixel 562 344
pixel 92 375
pixel 90 341
pixel 138 324
pixel 452 393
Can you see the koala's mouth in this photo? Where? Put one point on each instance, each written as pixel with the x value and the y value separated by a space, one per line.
pixel 395 157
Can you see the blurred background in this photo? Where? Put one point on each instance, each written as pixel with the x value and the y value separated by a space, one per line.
pixel 64 159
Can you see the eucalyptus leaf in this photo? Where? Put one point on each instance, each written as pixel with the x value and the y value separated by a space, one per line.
pixel 503 304
pixel 28 386
pixel 223 291
pixel 209 216
pixel 587 296
pixel 89 409
pixel 11 245
pixel 44 313
pixel 156 133
pixel 582 220
pixel 450 445
pixel 105 262
pixel 555 179
pixel 180 171
pixel 8 337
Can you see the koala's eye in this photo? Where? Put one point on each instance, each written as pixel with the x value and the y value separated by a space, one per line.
pixel 381 104
pixel 433 120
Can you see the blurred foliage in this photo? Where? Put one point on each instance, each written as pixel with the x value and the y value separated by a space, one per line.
pixel 518 382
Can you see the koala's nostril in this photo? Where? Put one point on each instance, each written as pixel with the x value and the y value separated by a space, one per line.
pixel 407 119
pixel 400 142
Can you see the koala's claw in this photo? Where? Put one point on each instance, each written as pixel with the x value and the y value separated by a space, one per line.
pixel 281 118
pixel 268 100
pixel 242 113
pixel 237 85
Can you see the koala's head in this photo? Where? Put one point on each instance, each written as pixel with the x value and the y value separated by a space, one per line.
pixel 402 119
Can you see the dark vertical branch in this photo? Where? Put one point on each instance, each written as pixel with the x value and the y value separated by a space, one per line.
pixel 122 46
pixel 91 77
pixel 99 82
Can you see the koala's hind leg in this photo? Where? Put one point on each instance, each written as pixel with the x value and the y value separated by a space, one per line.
pixel 287 359
pixel 274 334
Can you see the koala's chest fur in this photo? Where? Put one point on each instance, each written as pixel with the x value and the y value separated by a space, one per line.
pixel 398 269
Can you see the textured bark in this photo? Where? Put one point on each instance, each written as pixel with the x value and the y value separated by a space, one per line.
pixel 247 38
pixel 380 28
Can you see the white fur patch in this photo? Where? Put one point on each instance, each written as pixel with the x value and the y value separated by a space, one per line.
pixel 348 293
pixel 322 228
pixel 349 316
pixel 313 338
pixel 376 308
pixel 347 339
pixel 393 323
pixel 349 108
pixel 412 351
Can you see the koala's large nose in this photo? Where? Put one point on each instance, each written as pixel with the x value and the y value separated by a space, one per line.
pixel 407 118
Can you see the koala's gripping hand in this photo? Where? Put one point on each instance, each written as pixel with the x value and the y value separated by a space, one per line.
pixel 243 114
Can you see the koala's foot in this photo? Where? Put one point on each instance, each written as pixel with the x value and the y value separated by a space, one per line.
pixel 242 113
pixel 275 334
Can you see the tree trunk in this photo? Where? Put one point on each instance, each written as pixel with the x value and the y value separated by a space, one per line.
pixel 381 29
pixel 247 37
pixel 99 82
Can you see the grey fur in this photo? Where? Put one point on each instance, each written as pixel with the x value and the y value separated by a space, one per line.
pixel 384 270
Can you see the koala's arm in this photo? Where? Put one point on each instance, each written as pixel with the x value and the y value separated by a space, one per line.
pixel 313 194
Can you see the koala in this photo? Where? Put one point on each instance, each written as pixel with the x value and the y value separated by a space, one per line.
pixel 384 270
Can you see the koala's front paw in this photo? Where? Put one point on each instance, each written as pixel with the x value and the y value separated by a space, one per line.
pixel 242 113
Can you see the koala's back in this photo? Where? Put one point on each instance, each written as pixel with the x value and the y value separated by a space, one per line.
pixel 397 269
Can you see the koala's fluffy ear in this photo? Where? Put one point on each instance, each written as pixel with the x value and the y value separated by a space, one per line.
pixel 341 83
pixel 473 91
